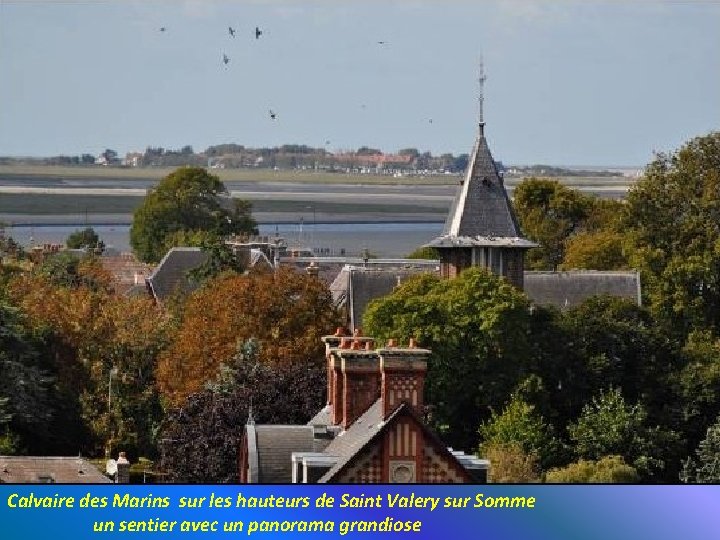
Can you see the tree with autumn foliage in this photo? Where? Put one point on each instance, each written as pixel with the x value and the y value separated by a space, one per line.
pixel 286 312
pixel 90 332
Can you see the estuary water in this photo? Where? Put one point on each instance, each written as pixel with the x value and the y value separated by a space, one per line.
pixel 385 240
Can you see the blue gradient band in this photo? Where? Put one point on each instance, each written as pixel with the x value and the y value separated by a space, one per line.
pixel 560 512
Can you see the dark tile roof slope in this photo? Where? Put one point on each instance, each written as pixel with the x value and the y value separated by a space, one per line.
pixel 481 213
pixel 275 445
pixel 49 469
pixel 171 274
pixel 568 289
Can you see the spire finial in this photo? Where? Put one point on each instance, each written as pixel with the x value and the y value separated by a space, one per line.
pixel 481 94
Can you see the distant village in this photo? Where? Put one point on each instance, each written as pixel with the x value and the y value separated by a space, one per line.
pixel 364 160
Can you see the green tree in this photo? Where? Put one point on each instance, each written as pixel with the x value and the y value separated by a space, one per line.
pixel 510 464
pixel 672 215
pixel 609 426
pixel 424 253
pixel 705 467
pixel 86 238
pixel 477 328
pixel 549 213
pixel 189 199
pixel 600 250
pixel 698 386
pixel 519 424
pixel 606 470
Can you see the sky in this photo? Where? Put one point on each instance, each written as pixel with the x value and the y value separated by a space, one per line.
pixel 571 82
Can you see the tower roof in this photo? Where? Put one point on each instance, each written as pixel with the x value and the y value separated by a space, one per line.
pixel 481 214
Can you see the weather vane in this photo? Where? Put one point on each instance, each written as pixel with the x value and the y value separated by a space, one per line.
pixel 481 93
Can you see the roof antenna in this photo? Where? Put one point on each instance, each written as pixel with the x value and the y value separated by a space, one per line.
pixel 481 96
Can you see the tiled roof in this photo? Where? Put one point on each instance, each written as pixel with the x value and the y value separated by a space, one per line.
pixel 49 469
pixel 275 445
pixel 569 289
pixel 481 207
pixel 349 442
pixel 171 274
pixel 357 286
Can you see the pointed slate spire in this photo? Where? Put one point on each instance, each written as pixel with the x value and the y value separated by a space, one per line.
pixel 481 216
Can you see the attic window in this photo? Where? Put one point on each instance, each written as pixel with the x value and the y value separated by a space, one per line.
pixel 45 479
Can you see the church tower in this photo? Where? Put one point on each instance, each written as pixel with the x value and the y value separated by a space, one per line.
pixel 481 228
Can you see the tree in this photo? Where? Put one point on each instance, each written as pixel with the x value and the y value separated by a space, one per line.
pixel 698 386
pixel 199 441
pixel 606 470
pixel 520 425
pixel 86 238
pixel 601 250
pixel 672 215
pixel 286 312
pixel 705 467
pixel 619 344
pixel 26 406
pixel 477 328
pixel 424 253
pixel 609 426
pixel 510 464
pixel 549 213
pixel 189 199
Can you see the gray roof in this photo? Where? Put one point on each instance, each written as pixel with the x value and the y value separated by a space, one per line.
pixel 49 469
pixel 275 445
pixel 568 289
pixel 322 418
pixel 481 214
pixel 170 276
pixel 355 287
pixel 348 443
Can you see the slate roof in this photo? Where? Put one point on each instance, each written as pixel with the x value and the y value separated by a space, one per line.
pixel 355 287
pixel 170 275
pixel 568 289
pixel 322 418
pixel 49 469
pixel 481 214
pixel 275 445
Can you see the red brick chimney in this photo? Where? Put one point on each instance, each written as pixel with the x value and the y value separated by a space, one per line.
pixel 352 376
pixel 402 376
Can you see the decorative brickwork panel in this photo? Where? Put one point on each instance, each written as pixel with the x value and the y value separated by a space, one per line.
pixel 361 391
pixel 366 468
pixel 437 470
pixel 402 441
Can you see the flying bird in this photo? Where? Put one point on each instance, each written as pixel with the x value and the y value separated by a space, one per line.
pixel 258 32
pixel 162 28
pixel 382 42
pixel 272 114
pixel 231 31
pixel 225 59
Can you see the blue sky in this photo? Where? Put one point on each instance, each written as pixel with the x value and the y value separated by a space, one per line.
pixel 569 82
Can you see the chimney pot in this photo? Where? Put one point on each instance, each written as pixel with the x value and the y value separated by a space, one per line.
pixel 340 331
pixel 357 332
pixel 369 345
pixel 391 343
pixel 412 344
